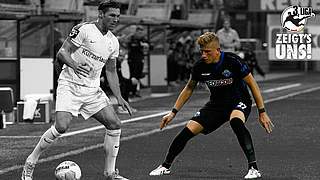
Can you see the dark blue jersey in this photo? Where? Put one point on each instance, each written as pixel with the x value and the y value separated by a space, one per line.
pixel 224 79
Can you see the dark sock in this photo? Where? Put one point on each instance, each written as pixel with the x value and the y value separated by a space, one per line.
pixel 177 146
pixel 253 164
pixel 245 141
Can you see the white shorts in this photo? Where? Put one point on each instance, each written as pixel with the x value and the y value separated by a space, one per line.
pixel 77 99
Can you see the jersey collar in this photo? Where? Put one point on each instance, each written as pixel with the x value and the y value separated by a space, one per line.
pixel 221 58
pixel 218 64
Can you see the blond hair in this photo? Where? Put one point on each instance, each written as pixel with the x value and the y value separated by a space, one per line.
pixel 208 38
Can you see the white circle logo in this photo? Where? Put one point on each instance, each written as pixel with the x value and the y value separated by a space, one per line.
pixel 294 18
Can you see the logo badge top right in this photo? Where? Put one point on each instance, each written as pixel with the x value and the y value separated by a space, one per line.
pixel 294 18
pixel 294 44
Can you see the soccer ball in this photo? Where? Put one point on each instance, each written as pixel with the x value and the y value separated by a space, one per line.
pixel 67 170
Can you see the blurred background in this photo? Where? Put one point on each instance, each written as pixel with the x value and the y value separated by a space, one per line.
pixel 158 49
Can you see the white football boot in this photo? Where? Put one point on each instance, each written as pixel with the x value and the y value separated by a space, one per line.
pixel 114 176
pixel 159 171
pixel 253 174
pixel 27 172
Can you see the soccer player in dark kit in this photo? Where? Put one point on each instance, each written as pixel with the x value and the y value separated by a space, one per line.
pixel 227 78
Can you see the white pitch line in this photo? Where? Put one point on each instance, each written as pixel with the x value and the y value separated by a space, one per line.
pixel 18 137
pixel 292 94
pixel 92 128
pixel 84 149
pixel 281 88
pixel 289 95
pixel 123 122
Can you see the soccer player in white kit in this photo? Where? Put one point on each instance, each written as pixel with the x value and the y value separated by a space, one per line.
pixel 89 47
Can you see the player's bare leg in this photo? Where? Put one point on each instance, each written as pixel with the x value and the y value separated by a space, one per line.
pixel 61 125
pixel 110 120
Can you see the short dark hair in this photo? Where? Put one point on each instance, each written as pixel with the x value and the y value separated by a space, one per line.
pixel 106 4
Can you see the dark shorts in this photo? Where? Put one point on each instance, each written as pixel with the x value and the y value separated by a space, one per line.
pixel 212 117
pixel 136 69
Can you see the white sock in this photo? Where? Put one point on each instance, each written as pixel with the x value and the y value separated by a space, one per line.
pixel 45 141
pixel 111 146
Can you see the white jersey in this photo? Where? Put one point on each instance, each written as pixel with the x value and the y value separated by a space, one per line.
pixel 94 48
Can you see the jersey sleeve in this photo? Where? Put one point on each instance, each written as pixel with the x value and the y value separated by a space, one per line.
pixel 241 69
pixel 78 35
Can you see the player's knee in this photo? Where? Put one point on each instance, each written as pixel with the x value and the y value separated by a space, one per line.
pixel 237 114
pixel 116 124
pixel 62 121
pixel 61 128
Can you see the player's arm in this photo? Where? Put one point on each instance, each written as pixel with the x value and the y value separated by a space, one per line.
pixel 263 116
pixel 113 80
pixel 112 77
pixel 255 90
pixel 64 55
pixel 184 96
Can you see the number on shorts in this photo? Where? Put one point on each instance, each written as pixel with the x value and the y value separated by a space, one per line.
pixel 197 114
pixel 241 105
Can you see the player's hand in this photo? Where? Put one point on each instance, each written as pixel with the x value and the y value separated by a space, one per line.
pixel 125 105
pixel 166 120
pixel 266 122
pixel 82 69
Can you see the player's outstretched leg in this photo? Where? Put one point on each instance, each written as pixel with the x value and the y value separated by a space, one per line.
pixel 44 143
pixel 246 144
pixel 175 148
